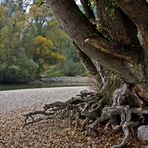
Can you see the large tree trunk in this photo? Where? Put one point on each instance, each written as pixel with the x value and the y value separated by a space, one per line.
pixel 111 52
pixel 124 55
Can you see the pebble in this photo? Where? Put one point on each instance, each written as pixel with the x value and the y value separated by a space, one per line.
pixel 142 132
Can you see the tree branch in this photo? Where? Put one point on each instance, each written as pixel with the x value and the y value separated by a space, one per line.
pixel 120 28
pixel 136 10
pixel 89 65
pixel 113 48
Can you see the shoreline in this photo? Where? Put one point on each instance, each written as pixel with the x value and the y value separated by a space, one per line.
pixel 49 83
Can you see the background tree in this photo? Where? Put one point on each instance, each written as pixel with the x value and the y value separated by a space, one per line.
pixel 32 43
pixel 43 23
pixel 13 57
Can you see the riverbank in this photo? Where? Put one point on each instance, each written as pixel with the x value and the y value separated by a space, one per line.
pixel 50 82
pixel 63 81
pixel 76 79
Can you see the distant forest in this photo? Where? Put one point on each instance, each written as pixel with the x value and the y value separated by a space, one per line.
pixel 33 44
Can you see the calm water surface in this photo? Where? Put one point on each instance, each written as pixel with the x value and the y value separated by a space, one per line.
pixel 40 85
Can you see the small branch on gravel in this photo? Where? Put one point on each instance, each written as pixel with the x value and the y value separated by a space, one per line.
pixel 60 110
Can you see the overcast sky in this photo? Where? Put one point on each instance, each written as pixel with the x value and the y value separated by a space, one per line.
pixel 78 1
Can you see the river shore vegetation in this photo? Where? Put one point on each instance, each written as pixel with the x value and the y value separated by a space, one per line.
pixel 33 44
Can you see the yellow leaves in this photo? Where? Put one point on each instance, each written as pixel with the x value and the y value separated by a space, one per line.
pixel 19 24
pixel 39 40
pixel 3 11
pixel 57 56
pixel 39 2
pixel 53 23
pixel 36 11
pixel 39 11
pixel 20 20
pixel 42 41
pixel 42 50
pixel 49 44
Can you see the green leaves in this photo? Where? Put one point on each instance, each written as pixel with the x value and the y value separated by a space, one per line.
pixel 33 43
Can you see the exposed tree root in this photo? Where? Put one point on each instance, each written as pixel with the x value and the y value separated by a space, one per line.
pixel 61 110
pixel 91 108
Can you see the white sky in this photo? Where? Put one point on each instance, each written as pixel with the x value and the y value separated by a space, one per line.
pixel 78 2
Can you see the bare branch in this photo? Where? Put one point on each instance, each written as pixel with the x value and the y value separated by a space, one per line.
pixel 113 48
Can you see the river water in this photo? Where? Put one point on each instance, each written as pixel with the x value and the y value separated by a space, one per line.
pixel 38 85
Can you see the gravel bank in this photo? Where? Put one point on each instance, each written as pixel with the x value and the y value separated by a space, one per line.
pixel 55 134
pixel 17 99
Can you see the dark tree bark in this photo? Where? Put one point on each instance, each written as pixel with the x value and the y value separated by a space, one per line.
pixel 110 50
